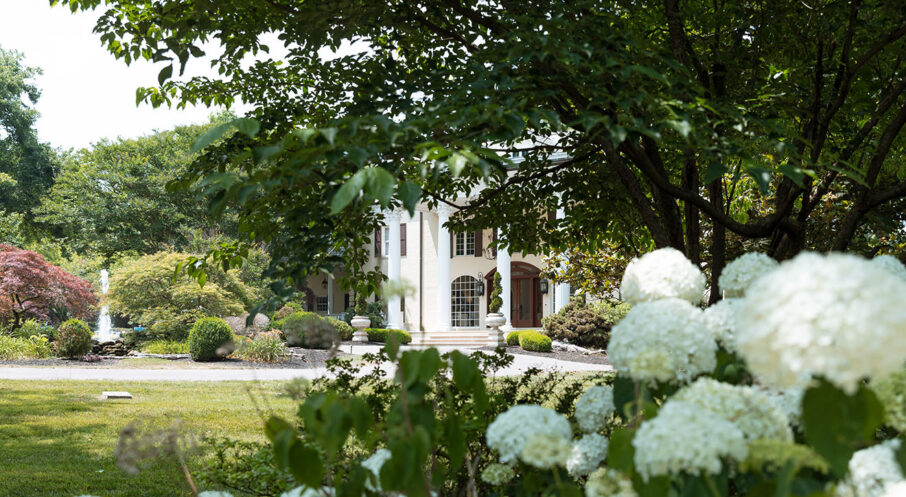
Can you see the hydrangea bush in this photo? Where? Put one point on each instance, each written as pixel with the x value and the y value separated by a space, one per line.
pixel 761 394
pixel 775 399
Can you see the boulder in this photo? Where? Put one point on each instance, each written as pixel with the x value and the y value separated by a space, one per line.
pixel 237 323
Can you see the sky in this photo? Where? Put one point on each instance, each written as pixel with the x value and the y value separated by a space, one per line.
pixel 86 94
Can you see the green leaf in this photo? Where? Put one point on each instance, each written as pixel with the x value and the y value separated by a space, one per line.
pixel 623 396
pixel 620 452
pixel 349 191
pixel 305 464
pixel 211 136
pixel 761 175
pixel 329 134
pixel 837 424
pixel 165 74
pixel 274 425
pixel 455 441
pixel 247 126
pixel 794 173
pixel 379 184
pixel 357 155
pixel 409 193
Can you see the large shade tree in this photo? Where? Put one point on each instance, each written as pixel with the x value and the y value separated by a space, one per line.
pixel 27 166
pixel 112 198
pixel 769 124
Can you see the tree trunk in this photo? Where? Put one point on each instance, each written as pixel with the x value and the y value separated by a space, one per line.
pixel 718 242
pixel 690 213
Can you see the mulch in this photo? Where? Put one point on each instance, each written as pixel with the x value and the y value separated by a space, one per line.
pixel 559 355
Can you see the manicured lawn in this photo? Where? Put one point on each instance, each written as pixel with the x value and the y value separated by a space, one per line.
pixel 57 438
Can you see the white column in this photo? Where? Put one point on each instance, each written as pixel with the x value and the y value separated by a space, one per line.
pixel 330 294
pixel 503 267
pixel 562 289
pixel 394 314
pixel 443 308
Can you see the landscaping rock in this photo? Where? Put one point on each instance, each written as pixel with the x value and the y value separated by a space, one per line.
pixel 108 348
pixel 568 347
pixel 237 323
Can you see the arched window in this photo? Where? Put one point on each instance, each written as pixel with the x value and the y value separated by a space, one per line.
pixel 465 302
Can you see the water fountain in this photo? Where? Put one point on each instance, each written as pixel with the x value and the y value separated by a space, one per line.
pixel 105 332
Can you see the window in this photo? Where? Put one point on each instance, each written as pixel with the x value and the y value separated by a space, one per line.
pixel 321 304
pixel 386 230
pixel 464 244
pixel 464 302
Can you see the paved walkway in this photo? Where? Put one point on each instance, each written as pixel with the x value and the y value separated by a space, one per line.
pixel 520 364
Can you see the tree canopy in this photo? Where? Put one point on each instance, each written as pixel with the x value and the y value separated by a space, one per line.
pixel 698 125
pixel 27 166
pixel 112 198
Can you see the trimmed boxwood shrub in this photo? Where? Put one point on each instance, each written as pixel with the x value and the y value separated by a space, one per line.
pixel 344 329
pixel 513 338
pixel 381 335
pixel 207 338
pixel 72 339
pixel 533 341
pixel 585 325
pixel 309 330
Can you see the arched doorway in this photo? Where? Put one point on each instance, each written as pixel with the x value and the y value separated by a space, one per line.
pixel 464 305
pixel 525 294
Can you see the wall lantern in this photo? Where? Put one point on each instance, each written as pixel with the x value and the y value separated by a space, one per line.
pixel 544 286
pixel 324 283
pixel 479 287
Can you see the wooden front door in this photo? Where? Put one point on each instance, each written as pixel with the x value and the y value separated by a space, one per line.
pixel 525 302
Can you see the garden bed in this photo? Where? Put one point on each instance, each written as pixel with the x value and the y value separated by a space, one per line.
pixel 299 359
pixel 560 355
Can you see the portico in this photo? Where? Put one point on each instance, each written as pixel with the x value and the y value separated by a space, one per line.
pixel 452 276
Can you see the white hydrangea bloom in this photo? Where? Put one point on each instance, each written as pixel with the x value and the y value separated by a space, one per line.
pixel 663 273
pixel 594 407
pixel 685 438
pixel 739 275
pixel 896 490
pixel 308 492
pixel 750 409
pixel 890 264
pixel 508 433
pixel 374 464
pixel 587 454
pixel 872 471
pixel 789 400
pixel 497 474
pixel 545 451
pixel 607 482
pixel 662 340
pixel 720 319
pixel 833 315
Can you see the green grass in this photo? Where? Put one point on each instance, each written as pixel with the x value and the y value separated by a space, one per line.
pixel 166 347
pixel 58 438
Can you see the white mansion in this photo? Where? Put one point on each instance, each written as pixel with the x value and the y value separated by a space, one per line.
pixel 452 274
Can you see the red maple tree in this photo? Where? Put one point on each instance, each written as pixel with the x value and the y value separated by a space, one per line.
pixel 31 287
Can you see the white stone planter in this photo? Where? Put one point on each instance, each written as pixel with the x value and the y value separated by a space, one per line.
pixel 360 323
pixel 495 336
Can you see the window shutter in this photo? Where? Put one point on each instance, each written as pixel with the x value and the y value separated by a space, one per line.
pixel 452 244
pixel 495 242
pixel 478 242
pixel 377 242
pixel 403 239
